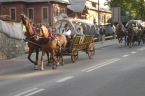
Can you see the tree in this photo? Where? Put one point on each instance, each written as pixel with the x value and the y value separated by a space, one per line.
pixel 136 8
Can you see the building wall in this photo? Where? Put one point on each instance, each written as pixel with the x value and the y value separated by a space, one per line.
pixel 10 48
pixel 58 7
pixel 104 17
pixel 22 7
pixel 90 12
pixel 38 11
pixel 92 15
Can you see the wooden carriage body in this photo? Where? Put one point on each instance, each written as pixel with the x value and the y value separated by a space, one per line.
pixel 83 44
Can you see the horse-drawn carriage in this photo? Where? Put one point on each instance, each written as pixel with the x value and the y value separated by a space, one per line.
pixel 139 30
pixel 78 43
pixel 84 43
pixel 81 43
pixel 132 32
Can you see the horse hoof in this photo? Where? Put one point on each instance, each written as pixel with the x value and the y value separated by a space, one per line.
pixel 54 68
pixel 57 63
pixel 36 68
pixel 41 69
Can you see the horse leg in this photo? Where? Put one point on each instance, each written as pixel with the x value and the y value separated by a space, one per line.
pixel 119 42
pixel 61 56
pixel 125 40
pixel 42 60
pixel 37 57
pixel 48 58
pixel 29 58
pixel 55 63
pixel 131 41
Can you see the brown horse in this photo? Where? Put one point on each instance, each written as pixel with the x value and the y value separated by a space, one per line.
pixel 120 32
pixel 32 43
pixel 138 37
pixel 54 47
pixel 130 34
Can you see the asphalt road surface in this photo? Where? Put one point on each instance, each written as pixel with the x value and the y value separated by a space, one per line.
pixel 112 72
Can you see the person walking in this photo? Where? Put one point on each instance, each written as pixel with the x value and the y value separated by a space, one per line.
pixel 102 34
pixel 114 31
pixel 97 32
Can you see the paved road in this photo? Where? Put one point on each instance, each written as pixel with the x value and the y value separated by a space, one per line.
pixel 22 60
pixel 112 72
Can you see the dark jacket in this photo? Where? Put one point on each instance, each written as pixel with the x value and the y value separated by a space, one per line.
pixel 102 31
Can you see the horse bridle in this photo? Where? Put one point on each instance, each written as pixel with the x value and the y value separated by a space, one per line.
pixel 27 39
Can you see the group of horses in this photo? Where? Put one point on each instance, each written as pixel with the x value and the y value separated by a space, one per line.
pixel 129 34
pixel 41 40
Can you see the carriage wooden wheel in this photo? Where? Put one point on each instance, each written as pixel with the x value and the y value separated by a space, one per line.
pixel 74 55
pixel 91 50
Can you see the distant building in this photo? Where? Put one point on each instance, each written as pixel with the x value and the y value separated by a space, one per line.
pixel 47 11
pixel 39 11
pixel 88 9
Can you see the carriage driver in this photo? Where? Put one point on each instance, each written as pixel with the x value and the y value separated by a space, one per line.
pixel 67 32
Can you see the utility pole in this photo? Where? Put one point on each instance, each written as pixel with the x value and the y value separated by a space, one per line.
pixel 98 14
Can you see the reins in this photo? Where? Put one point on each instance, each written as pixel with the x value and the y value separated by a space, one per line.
pixel 34 43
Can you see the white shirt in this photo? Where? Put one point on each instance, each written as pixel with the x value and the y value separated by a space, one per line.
pixel 66 32
pixel 79 33
pixel 113 28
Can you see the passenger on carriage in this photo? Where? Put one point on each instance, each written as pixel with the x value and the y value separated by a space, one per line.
pixel 51 34
pixel 34 29
pixel 67 32
pixel 79 32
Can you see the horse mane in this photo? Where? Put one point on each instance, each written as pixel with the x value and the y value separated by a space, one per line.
pixel 130 27
pixel 43 32
pixel 120 27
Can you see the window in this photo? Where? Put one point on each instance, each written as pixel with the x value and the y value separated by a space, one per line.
pixel 102 18
pixel 105 19
pixel 56 12
pixel 62 10
pixel 13 13
pixel 31 13
pixel 45 15
pixel 94 4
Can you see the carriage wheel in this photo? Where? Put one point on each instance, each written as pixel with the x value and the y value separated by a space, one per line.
pixel 91 50
pixel 74 55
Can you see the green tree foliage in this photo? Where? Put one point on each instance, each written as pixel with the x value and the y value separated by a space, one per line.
pixel 136 8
